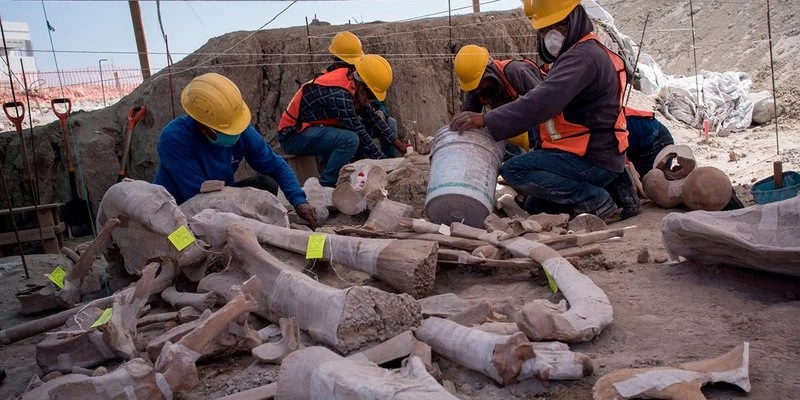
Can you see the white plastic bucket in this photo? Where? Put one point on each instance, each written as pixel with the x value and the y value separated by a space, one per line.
pixel 463 177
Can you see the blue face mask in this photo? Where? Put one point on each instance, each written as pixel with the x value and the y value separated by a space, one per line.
pixel 224 140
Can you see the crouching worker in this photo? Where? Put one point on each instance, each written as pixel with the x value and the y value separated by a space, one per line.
pixel 324 118
pixel 210 142
pixel 578 110
pixel 491 83
pixel 646 137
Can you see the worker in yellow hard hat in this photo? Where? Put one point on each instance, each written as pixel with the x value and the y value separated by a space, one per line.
pixel 210 142
pixel 492 83
pixel 578 109
pixel 346 50
pixel 330 116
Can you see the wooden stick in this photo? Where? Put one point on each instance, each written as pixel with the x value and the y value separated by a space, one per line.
pixel 266 392
pixel 462 257
pixel 582 239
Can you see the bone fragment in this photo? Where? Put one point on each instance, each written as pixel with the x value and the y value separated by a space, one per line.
pixel 352 197
pixel 398 347
pixel 383 217
pixel 71 292
pixel 200 301
pixel 274 353
pixel 676 383
pixel 248 202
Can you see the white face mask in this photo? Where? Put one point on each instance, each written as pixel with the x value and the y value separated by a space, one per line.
pixel 553 41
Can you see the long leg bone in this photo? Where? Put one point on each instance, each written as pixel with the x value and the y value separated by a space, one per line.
pixel 407 265
pixel 590 310
pixel 71 292
pixel 678 383
pixel 246 201
pixel 345 319
pixel 200 301
pixel 318 373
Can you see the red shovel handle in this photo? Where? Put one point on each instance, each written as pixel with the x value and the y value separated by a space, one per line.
pixel 61 116
pixel 135 115
pixel 20 115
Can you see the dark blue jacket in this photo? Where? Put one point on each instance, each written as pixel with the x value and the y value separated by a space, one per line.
pixel 187 158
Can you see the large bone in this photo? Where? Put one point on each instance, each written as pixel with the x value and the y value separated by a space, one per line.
pixel 504 358
pixel 345 319
pixel 148 214
pixel 318 373
pixel 505 199
pixel 71 292
pixel 248 202
pixel 677 383
pixel 200 301
pixel 174 370
pixel 349 197
pixel 407 265
pixel 590 310
pixel 385 214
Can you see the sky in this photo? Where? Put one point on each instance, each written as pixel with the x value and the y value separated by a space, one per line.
pixel 87 31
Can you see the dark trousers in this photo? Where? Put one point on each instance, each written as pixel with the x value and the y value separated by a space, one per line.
pixel 643 159
pixel 261 182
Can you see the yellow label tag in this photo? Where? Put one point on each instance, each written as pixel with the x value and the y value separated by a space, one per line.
pixel 316 246
pixel 551 282
pixel 104 318
pixel 181 238
pixel 57 276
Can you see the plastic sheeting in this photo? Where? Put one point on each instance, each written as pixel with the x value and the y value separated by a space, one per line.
pixel 764 238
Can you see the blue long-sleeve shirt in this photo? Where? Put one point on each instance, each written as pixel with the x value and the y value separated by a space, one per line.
pixel 187 159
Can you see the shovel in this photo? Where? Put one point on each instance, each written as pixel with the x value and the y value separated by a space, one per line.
pixel 134 116
pixel 78 212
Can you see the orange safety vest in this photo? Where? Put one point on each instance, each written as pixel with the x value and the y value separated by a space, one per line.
pixel 632 112
pixel 291 117
pixel 501 69
pixel 558 133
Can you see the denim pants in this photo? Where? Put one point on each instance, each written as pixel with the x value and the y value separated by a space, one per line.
pixel 336 146
pixel 557 181
pixel 643 159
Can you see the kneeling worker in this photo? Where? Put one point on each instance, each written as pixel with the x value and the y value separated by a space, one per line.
pixel 325 116
pixel 210 142
pixel 492 83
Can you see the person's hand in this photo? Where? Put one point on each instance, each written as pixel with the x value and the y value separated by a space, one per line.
pixel 466 120
pixel 307 212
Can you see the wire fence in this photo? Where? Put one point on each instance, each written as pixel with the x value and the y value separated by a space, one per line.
pixel 123 80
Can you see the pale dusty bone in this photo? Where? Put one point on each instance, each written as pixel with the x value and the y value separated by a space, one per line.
pixel 521 226
pixel 148 214
pixel 679 153
pixel 150 319
pixel 383 216
pixel 425 353
pixel 477 314
pixel 499 328
pixel 120 331
pixel 235 337
pixel 583 223
pixel 188 314
pixel 661 191
pixel 580 251
pixel 590 310
pixel 71 292
pixel 212 186
pixel 677 383
pixel 320 197
pixel 636 178
pixel 345 319
pixel 493 223
pixel 266 392
pixel 550 221
pixel 444 240
pixel 274 353
pixel 318 373
pixel 71 254
pixel 395 348
pixel 581 239
pixel 559 365
pixel 464 258
pixel 443 305
pixel 489 252
pixel 351 199
pixel 509 206
pixel 200 301
pixel 708 189
pixel 423 226
pixel 496 356
pixel 38 298
pixel 406 265
pixel 248 202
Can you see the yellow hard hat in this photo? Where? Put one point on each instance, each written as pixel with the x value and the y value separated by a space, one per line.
pixel 346 46
pixel 549 12
pixel 521 141
pixel 214 101
pixel 527 6
pixel 376 73
pixel 470 64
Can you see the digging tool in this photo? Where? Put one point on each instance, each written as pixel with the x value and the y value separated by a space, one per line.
pixel 78 212
pixel 19 116
pixel 30 128
pixel 134 116
pixel 13 221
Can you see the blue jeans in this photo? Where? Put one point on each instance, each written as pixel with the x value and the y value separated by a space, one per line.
pixel 336 146
pixel 560 182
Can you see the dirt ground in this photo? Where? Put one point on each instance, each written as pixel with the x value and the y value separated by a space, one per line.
pixel 665 313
